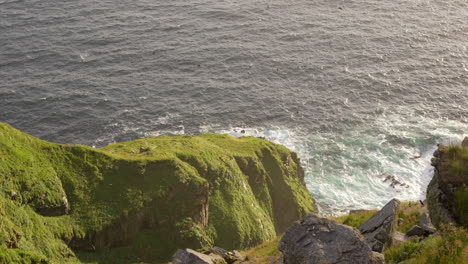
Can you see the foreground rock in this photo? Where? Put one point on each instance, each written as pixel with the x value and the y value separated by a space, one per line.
pixel 378 230
pixel 319 240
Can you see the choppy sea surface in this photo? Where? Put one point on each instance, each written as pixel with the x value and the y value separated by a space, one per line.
pixel 361 89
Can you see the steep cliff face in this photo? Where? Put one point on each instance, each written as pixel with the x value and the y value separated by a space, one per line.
pixel 447 193
pixel 141 200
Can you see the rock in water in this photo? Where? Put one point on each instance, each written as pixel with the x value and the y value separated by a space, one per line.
pixel 379 229
pixel 189 256
pixel 319 240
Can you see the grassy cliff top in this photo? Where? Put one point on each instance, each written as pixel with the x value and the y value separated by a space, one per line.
pixel 140 200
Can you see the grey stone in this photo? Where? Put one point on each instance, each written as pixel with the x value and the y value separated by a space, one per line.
pixel 319 240
pixel 189 256
pixel 426 224
pixel 416 231
pixel 379 228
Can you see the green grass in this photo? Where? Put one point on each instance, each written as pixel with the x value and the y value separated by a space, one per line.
pixel 458 176
pixel 262 254
pixel 355 219
pixel 451 247
pixel 138 201
pixel 458 162
pixel 409 213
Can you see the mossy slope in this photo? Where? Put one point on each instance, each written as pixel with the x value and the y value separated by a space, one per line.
pixel 447 193
pixel 140 200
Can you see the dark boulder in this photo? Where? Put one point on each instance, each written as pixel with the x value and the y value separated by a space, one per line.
pixel 426 224
pixel 378 230
pixel 416 230
pixel 319 240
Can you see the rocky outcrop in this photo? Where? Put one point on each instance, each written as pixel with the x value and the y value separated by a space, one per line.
pixel 447 193
pixel 378 230
pixel 189 256
pixel 318 240
pixel 188 191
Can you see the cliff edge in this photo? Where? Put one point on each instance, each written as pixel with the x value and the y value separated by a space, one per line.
pixel 143 199
pixel 447 193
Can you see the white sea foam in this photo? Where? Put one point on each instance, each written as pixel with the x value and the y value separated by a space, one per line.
pixel 347 170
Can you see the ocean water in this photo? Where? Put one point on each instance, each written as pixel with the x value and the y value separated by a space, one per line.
pixel 361 89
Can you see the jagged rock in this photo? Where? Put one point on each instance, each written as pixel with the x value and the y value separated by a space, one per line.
pixel 320 240
pixel 416 231
pixel 379 228
pixel 228 256
pixel 393 181
pixel 377 258
pixel 189 256
pixel 426 224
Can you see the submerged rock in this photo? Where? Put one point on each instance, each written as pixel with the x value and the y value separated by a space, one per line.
pixel 189 256
pixel 319 240
pixel 379 228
